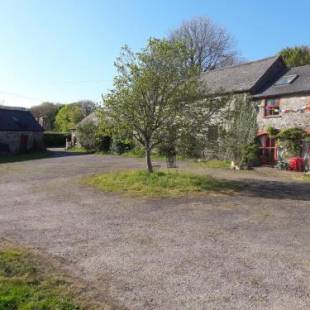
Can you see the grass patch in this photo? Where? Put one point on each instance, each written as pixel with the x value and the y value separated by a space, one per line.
pixel 26 283
pixel 214 163
pixel 77 149
pixel 136 153
pixel 159 184
pixel 24 157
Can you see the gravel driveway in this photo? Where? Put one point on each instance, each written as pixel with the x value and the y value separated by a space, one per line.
pixel 247 251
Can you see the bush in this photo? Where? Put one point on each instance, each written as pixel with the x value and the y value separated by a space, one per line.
pixel 90 139
pixel 55 139
pixel 86 134
pixel 273 132
pixel 104 143
pixel 120 147
pixel 250 154
pixel 291 139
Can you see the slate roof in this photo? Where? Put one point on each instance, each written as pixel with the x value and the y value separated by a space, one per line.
pixel 238 78
pixel 15 119
pixel 300 85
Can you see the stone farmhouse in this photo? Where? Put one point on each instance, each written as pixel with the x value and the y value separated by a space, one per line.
pixel 281 94
pixel 19 131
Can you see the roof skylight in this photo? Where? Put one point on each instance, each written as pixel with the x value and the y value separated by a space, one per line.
pixel 286 79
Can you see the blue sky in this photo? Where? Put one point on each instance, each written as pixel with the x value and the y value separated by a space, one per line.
pixel 63 50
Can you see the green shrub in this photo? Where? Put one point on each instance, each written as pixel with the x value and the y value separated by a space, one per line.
pixel 250 154
pixel 291 139
pixel 55 139
pixel 273 132
pixel 89 137
pixel 86 134
pixel 120 147
pixel 104 143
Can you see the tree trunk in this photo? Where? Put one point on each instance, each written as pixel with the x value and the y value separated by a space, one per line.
pixel 149 160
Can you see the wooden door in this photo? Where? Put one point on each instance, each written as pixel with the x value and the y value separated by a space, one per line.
pixel 268 150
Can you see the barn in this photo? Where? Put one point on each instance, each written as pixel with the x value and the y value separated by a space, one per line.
pixel 19 131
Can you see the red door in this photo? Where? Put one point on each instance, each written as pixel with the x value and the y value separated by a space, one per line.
pixel 268 150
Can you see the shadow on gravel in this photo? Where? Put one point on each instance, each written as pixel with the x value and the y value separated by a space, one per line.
pixel 5 159
pixel 275 189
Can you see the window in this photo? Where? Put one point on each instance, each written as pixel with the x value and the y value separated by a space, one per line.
pixel 272 107
pixel 286 79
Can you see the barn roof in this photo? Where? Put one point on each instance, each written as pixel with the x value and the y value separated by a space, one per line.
pixel 238 78
pixel 299 84
pixel 17 119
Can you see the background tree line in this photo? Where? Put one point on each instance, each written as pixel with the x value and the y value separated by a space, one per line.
pixel 62 117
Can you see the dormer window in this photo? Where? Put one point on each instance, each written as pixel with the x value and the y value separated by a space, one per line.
pixel 286 79
pixel 272 107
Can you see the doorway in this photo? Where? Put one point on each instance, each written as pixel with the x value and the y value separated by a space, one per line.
pixel 268 150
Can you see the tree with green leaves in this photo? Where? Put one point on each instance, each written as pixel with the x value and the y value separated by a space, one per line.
pixel 71 114
pixel 47 111
pixel 157 95
pixel 296 56
pixel 68 117
pixel 240 129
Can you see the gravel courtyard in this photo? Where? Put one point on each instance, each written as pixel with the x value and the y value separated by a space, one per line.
pixel 245 251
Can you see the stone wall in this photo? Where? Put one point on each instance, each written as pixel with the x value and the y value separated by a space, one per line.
pixel 294 112
pixel 12 139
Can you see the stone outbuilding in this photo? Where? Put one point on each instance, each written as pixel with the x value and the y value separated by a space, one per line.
pixel 281 94
pixel 19 131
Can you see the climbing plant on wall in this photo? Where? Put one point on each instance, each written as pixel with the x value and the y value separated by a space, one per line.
pixel 239 129
pixel 291 140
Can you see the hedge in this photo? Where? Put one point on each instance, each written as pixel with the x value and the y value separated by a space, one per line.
pixel 55 139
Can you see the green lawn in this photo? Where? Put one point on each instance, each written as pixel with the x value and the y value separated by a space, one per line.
pixel 24 157
pixel 136 153
pixel 77 149
pixel 214 163
pixel 159 184
pixel 27 283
